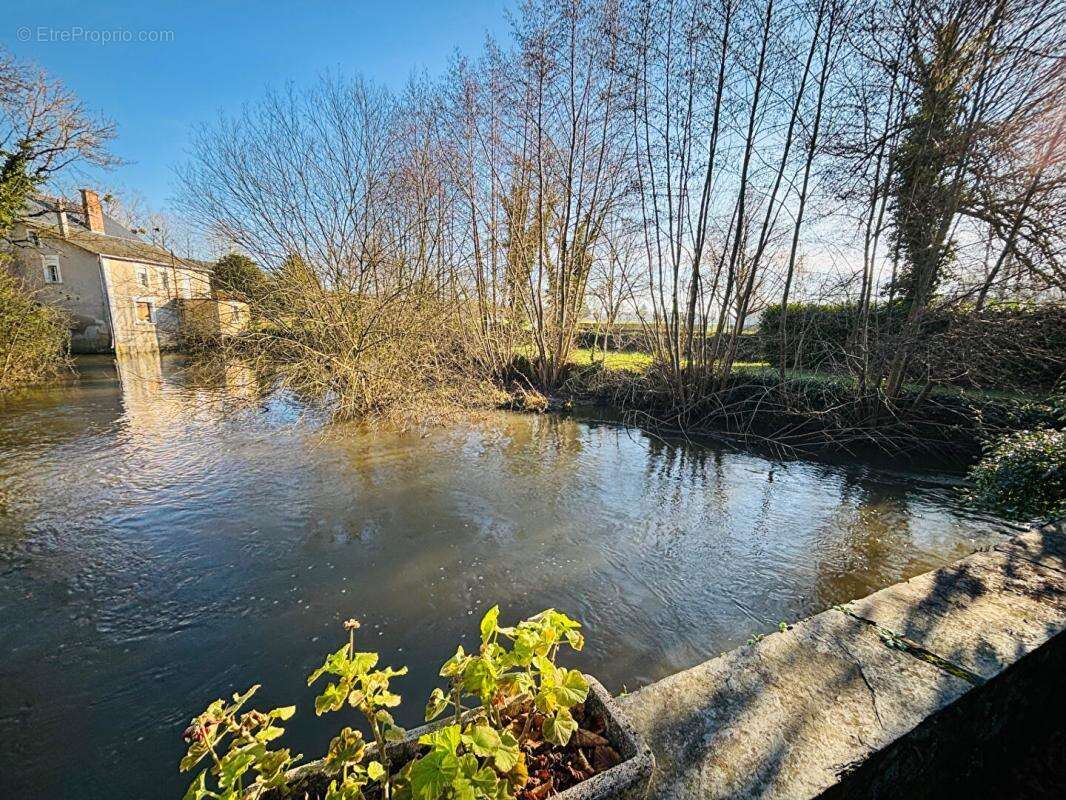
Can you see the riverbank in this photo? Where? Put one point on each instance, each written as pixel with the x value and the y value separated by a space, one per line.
pixel 808 411
pixel 922 689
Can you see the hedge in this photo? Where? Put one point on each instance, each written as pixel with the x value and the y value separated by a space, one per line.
pixel 1000 347
pixel 633 338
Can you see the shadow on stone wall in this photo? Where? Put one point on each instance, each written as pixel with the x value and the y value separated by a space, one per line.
pixel 940 686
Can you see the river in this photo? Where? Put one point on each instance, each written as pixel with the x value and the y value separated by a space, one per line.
pixel 169 534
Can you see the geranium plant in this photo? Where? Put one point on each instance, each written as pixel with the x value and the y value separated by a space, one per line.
pixel 512 723
pixel 366 689
pixel 522 694
pixel 235 743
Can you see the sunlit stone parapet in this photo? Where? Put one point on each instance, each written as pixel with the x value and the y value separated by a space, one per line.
pixel 892 695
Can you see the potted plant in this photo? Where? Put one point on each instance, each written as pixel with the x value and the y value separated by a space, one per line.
pixel 511 724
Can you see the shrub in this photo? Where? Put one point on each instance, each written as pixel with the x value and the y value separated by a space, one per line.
pixel 393 356
pixel 235 743
pixel 34 338
pixel 1023 475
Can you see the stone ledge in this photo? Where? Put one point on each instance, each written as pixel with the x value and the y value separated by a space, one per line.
pixel 797 714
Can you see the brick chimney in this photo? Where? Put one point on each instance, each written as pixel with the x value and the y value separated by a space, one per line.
pixel 94 212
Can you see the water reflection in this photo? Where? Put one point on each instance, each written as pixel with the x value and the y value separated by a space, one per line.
pixel 168 532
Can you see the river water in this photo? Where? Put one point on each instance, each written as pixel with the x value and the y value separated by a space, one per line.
pixel 168 534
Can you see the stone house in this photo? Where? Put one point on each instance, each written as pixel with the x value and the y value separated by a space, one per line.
pixel 121 292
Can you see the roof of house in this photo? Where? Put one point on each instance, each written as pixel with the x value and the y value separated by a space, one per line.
pixel 117 241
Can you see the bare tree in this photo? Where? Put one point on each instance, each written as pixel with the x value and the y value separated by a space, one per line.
pixel 724 124
pixel 337 201
pixel 44 131
pixel 966 161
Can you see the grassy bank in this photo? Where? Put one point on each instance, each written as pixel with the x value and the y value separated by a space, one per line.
pixel 809 409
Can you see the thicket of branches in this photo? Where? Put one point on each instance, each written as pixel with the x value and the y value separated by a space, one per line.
pixel 685 163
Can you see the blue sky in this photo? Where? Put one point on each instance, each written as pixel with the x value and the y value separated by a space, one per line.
pixel 221 54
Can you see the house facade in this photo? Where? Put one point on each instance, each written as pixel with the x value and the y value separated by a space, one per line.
pixel 121 292
pixel 220 316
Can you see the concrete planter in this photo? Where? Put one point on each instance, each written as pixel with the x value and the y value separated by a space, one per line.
pixel 627 780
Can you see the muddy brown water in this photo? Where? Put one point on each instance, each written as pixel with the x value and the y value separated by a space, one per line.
pixel 169 534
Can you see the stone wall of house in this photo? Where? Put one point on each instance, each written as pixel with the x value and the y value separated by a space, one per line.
pixel 212 318
pixel 101 293
pixel 233 316
pixel 80 291
pixel 163 288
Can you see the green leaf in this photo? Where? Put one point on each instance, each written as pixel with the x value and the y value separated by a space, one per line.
pixel 575 639
pixel 462 789
pixel 454 666
pixel 523 650
pixel 283 713
pixel 375 770
pixel 479 677
pixel 438 701
pixel 346 748
pixel 573 689
pixel 193 757
pixel 507 754
pixel 271 767
pixel 447 738
pixel 240 699
pixel 350 789
pixel 330 700
pixel 485 780
pixel 362 663
pixel 546 668
pixel 433 773
pixel 233 766
pixel 393 733
pixel 268 734
pixel 489 623
pixel 560 728
pixel 545 700
pixel 335 664
pixel 468 765
pixel 483 740
pixel 198 788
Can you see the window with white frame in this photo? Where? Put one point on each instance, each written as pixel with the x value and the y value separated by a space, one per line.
pixel 144 311
pixel 52 273
pixel 166 282
pixel 142 276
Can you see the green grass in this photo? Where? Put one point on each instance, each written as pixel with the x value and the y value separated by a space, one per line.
pixel 612 359
pixel 633 361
